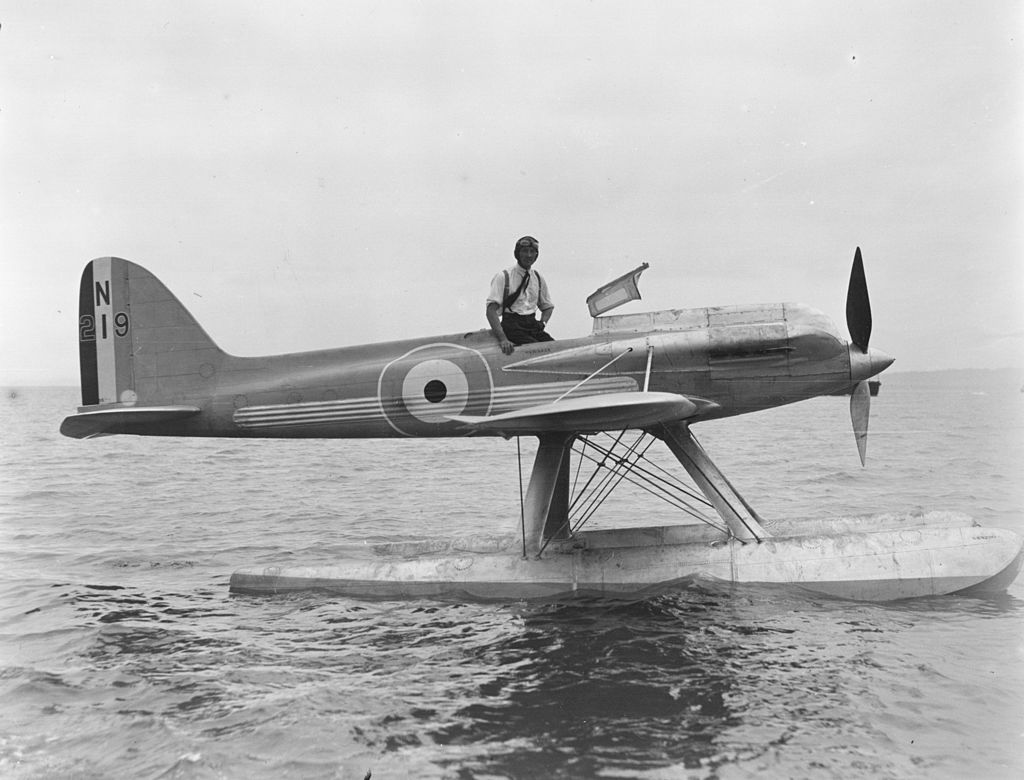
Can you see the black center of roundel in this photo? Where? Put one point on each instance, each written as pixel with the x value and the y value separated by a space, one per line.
pixel 435 391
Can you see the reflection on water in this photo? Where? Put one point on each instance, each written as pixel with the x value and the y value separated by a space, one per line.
pixel 589 687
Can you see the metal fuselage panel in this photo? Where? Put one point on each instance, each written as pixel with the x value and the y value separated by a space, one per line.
pixel 741 358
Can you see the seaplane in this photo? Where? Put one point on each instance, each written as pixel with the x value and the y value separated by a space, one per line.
pixel 149 369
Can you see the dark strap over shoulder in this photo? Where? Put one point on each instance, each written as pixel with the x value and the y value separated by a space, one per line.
pixel 510 299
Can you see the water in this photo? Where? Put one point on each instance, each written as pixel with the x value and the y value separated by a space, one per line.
pixel 123 654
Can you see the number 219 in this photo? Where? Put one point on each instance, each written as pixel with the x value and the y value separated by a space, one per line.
pixel 87 326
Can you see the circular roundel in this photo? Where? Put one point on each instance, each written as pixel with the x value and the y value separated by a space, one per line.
pixel 422 389
pixel 434 389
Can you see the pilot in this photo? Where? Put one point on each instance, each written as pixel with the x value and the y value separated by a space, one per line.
pixel 516 295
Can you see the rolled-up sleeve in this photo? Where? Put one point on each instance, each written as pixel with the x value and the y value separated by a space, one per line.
pixel 543 296
pixel 497 293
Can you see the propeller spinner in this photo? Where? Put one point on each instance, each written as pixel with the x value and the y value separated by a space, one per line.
pixel 864 361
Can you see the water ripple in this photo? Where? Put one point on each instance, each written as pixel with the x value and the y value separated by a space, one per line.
pixel 123 655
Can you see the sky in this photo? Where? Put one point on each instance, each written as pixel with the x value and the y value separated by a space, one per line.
pixel 313 175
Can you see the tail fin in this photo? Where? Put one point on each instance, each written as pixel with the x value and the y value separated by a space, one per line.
pixel 139 348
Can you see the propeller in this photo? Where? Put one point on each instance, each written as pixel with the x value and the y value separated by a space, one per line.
pixel 864 362
pixel 860 410
pixel 858 307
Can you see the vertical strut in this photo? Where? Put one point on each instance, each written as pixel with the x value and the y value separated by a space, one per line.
pixel 729 504
pixel 547 496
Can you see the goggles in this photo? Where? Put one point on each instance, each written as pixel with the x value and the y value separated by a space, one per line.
pixel 528 241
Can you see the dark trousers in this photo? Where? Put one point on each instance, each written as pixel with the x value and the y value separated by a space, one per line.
pixel 523 328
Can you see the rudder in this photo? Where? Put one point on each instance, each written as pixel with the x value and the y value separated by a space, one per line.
pixel 137 343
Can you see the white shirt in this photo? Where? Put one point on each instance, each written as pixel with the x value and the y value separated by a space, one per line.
pixel 534 297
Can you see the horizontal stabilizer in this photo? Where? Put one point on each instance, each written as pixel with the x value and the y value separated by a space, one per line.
pixel 121 419
pixel 605 412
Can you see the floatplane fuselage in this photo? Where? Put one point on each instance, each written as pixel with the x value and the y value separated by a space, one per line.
pixel 148 368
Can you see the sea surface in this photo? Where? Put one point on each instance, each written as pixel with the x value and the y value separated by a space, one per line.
pixel 123 655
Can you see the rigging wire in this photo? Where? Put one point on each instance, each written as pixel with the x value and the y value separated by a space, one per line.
pixel 674 480
pixel 522 506
pixel 669 479
pixel 609 482
pixel 724 498
pixel 579 467
pixel 602 368
pixel 606 453
pixel 749 508
pixel 567 523
pixel 625 461
pixel 665 489
pixel 672 491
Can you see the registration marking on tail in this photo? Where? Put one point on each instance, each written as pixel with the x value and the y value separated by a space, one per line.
pixel 103 312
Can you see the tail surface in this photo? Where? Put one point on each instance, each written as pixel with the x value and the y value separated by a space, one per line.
pixel 142 356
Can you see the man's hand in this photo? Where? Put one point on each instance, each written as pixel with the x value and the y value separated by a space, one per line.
pixel 493 320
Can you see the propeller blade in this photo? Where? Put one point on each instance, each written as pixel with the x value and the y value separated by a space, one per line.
pixel 860 410
pixel 858 307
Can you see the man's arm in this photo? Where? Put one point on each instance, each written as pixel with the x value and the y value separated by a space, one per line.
pixel 544 302
pixel 495 322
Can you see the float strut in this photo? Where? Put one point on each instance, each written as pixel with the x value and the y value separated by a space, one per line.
pixel 546 511
pixel 729 504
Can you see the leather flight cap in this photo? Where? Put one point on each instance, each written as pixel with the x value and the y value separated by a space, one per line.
pixel 524 242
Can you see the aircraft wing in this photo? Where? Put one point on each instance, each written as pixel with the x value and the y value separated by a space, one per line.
pixel 103 422
pixel 604 412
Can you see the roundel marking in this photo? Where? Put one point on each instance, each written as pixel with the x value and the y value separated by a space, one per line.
pixel 434 389
pixel 420 390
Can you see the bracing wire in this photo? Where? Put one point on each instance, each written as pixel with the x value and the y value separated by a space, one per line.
pixel 609 482
pixel 721 495
pixel 626 467
pixel 666 478
pixel 607 453
pixel 579 466
pixel 665 494
pixel 568 519
pixel 522 505
pixel 626 461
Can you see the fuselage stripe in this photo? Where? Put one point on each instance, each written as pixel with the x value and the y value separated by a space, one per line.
pixel 369 410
